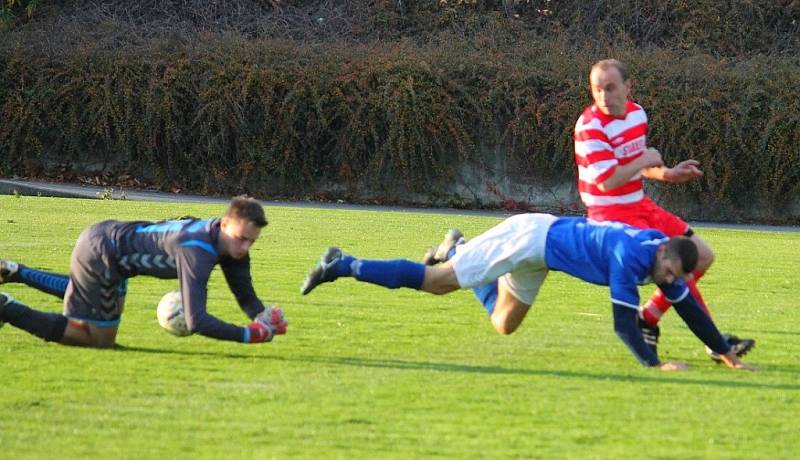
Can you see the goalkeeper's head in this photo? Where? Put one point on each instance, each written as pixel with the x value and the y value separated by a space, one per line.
pixel 241 226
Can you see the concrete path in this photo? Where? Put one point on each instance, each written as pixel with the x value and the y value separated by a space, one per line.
pixel 54 189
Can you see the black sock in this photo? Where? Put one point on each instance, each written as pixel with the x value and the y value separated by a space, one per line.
pixel 48 326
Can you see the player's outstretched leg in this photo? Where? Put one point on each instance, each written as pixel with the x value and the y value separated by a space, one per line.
pixel 325 271
pixel 51 283
pixel 48 326
pixel 442 252
pixel 392 274
pixel 739 346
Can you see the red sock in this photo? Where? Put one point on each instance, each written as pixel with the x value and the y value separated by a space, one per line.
pixel 655 307
pixel 658 304
pixel 692 282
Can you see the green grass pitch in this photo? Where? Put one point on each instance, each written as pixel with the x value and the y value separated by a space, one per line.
pixel 366 372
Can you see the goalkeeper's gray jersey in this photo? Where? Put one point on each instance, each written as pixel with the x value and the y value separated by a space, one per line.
pixel 185 249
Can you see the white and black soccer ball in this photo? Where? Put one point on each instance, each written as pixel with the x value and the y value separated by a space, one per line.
pixel 170 314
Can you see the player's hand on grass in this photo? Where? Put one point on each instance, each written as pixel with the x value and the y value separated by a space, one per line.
pixel 267 325
pixel 673 366
pixel 684 171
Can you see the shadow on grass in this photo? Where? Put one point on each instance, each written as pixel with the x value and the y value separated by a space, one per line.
pixel 771 332
pixel 210 354
pixel 658 377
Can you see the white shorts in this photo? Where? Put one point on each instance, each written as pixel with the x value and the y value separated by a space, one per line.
pixel 511 252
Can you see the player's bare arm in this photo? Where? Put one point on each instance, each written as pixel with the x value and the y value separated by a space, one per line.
pixel 650 158
pixel 682 172
pixel 671 366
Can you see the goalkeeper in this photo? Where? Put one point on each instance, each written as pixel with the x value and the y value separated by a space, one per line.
pixel 110 252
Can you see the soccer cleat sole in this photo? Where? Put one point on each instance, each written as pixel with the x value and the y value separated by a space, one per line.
pixel 7 270
pixel 324 272
pixel 440 253
pixel 4 300
pixel 740 347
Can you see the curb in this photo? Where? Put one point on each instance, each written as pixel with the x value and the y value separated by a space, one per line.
pixel 59 190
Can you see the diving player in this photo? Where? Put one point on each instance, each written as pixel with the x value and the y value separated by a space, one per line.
pixel 506 265
pixel 110 252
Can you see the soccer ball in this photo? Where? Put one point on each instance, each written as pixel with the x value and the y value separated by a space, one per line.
pixel 170 314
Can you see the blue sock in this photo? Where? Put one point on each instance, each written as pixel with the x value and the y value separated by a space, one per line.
pixel 390 273
pixel 487 294
pixel 51 283
pixel 344 266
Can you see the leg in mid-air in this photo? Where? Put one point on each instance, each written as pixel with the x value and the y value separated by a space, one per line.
pixel 504 266
pixel 505 310
pixel 392 274
pixel 50 283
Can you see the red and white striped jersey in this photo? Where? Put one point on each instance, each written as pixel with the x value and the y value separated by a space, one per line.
pixel 603 142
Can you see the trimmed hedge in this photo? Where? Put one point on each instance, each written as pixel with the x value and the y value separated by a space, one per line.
pixel 298 118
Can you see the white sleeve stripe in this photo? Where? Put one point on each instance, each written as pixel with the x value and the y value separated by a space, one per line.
pixel 594 124
pixel 592 172
pixel 682 296
pixel 587 147
pixel 625 304
pixel 632 119
pixel 601 200
pixel 655 242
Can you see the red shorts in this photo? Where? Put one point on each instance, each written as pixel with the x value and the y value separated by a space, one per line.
pixel 644 214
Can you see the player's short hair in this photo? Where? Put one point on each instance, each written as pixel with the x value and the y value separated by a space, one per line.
pixel 246 208
pixel 606 63
pixel 683 249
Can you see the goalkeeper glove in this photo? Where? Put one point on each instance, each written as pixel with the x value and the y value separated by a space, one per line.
pixel 265 326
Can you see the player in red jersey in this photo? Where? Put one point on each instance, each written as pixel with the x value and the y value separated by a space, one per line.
pixel 612 156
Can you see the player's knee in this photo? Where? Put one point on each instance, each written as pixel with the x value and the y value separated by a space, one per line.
pixel 103 342
pixel 503 323
pixel 705 256
pixel 102 337
pixel 705 259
